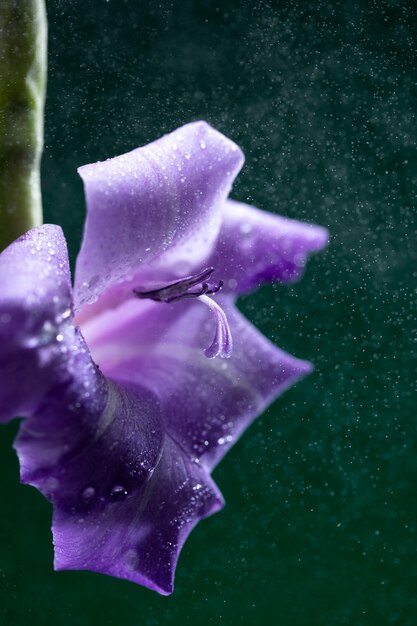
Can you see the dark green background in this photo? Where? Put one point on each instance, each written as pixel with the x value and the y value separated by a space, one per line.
pixel 320 524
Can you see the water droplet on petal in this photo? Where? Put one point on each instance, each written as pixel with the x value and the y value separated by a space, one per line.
pixel 88 494
pixel 52 484
pixel 118 493
pixel 222 440
pixel 131 558
pixel 300 259
pixel 245 228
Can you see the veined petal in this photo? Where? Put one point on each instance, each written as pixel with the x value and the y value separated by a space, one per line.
pixel 154 210
pixel 125 494
pixel 35 304
pixel 136 532
pixel 255 246
pixel 206 403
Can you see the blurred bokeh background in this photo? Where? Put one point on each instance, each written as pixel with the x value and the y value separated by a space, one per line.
pixel 320 526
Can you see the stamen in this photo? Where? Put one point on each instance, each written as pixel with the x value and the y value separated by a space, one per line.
pixel 181 289
pixel 222 343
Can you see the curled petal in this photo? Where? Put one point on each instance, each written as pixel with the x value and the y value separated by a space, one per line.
pixel 35 307
pixel 137 532
pixel 156 209
pixel 125 494
pixel 255 246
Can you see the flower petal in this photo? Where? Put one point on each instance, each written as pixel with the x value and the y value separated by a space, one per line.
pixel 255 246
pixel 35 300
pixel 158 206
pixel 125 494
pixel 206 403
pixel 136 532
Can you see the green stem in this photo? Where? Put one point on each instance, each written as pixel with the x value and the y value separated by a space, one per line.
pixel 22 96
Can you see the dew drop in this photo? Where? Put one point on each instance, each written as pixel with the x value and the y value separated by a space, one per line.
pixel 245 228
pixel 118 493
pixel 88 494
pixel 131 559
pixel 52 484
pixel 222 440
pixel 300 260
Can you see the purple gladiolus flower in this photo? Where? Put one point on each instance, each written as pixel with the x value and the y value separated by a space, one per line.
pixel 127 408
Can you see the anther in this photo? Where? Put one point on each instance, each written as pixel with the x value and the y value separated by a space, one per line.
pixel 181 289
